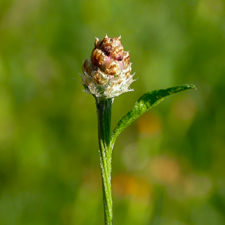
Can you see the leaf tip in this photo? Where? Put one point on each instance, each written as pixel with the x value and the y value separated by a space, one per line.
pixel 191 86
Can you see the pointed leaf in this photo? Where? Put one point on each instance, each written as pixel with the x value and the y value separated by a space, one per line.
pixel 144 103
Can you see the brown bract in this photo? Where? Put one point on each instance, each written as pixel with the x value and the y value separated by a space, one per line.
pixel 110 66
pixel 108 55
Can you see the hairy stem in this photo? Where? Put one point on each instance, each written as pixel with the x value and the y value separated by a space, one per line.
pixel 104 111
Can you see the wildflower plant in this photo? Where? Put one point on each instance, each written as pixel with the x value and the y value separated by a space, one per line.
pixel 106 75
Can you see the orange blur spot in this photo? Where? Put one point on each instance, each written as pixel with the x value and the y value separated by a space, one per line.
pixel 149 125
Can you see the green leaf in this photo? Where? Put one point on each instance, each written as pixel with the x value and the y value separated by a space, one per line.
pixel 144 103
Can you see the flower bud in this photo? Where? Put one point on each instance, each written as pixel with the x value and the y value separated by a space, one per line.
pixel 107 73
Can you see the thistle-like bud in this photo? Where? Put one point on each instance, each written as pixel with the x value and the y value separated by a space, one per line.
pixel 107 73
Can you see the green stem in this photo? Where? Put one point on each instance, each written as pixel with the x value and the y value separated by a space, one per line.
pixel 104 111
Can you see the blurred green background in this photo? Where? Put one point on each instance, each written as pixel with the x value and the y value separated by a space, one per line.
pixel 168 167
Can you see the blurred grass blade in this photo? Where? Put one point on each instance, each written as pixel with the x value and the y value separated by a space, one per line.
pixel 144 103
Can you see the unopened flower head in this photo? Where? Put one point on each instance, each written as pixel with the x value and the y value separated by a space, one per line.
pixel 107 73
